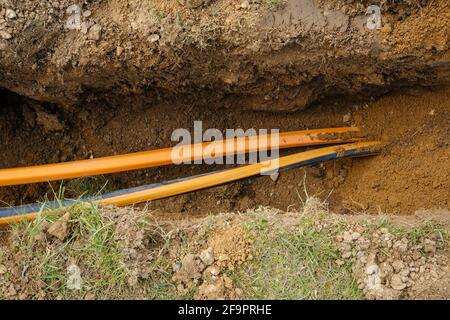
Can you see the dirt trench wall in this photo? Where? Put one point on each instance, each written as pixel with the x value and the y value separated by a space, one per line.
pixel 264 55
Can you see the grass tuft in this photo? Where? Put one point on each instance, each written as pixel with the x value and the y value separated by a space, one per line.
pixel 295 263
pixel 275 4
pixel 90 245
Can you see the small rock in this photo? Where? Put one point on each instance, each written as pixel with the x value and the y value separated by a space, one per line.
pixel 87 13
pixel 73 277
pixel 227 282
pixel 401 246
pixel 213 270
pixel 10 14
pixel 95 32
pixel 373 279
pixel 347 118
pixel 207 256
pixel 429 246
pixel 416 255
pixel 355 236
pixel 12 291
pixel 340 262
pixel 3 269
pixel 132 280
pixel 181 289
pixel 5 35
pixel 153 38
pixel 404 273
pixel 364 244
pixel 245 4
pixel 190 269
pixel 372 269
pixel 239 292
pixel 119 51
pixel 397 282
pixel 23 296
pixel 422 269
pixel 177 267
pixel 275 176
pixel 347 237
pixel 48 121
pixel 89 296
pixel 84 27
pixel 214 291
pixel 398 265
pixel 347 254
pixel 386 270
pixel 59 229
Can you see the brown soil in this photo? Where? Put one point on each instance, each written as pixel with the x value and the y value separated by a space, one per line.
pixel 140 69
pixel 389 266
pixel 219 62
pixel 231 246
pixel 412 172
pixel 258 58
pixel 388 261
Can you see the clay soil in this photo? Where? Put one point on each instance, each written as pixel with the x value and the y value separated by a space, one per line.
pixel 137 70
pixel 411 173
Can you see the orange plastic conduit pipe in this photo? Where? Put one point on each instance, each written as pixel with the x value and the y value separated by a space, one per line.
pixel 203 182
pixel 234 174
pixel 160 157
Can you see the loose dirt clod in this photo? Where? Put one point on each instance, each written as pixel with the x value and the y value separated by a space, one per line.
pixel 95 32
pixel 48 121
pixel 231 247
pixel 60 228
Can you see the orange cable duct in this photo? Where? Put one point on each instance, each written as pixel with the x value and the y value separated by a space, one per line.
pixel 234 174
pixel 160 157
pixel 222 177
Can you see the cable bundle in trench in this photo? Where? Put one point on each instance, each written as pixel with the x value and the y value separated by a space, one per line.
pixel 179 186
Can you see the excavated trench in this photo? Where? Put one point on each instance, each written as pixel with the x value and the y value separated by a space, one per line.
pixel 137 70
pixel 82 79
pixel 411 173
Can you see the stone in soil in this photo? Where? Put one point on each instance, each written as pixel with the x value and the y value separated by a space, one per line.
pixel 59 229
pixel 207 256
pixel 95 33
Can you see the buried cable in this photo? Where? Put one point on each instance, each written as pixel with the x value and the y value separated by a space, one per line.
pixel 203 181
pixel 167 156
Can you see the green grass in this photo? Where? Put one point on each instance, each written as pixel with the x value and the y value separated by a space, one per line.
pixel 292 258
pixel 428 229
pixel 91 246
pixel 87 186
pixel 155 15
pixel 275 4
pixel 295 264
